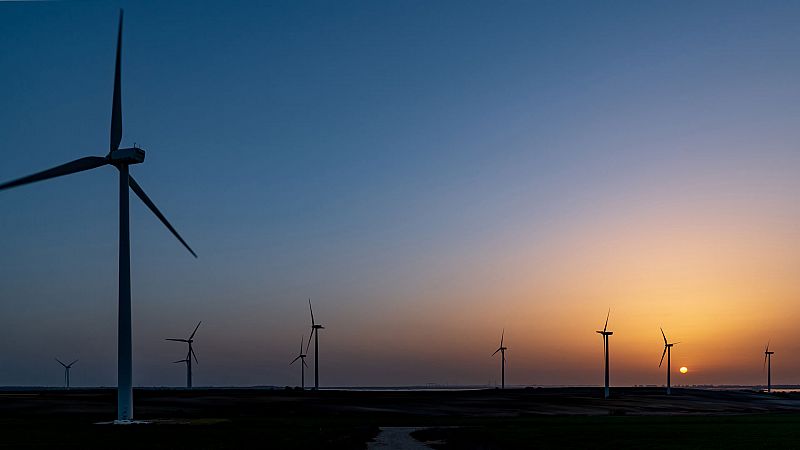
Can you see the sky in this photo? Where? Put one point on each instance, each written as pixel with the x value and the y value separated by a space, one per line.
pixel 428 173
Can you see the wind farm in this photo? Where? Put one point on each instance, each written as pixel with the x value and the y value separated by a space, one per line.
pixel 426 174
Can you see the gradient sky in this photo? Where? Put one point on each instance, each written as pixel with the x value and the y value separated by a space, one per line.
pixel 427 172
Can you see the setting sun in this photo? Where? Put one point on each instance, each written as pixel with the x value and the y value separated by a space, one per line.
pixel 683 369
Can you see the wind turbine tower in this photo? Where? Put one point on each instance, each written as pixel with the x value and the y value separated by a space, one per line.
pixel 315 327
pixel 668 353
pixel 502 351
pixel 189 355
pixel 768 362
pixel 121 159
pixel 66 371
pixel 605 333
pixel 302 357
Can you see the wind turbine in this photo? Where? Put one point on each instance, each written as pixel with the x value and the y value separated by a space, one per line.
pixel 502 351
pixel 302 357
pixel 605 333
pixel 66 371
pixel 668 352
pixel 768 363
pixel 315 327
pixel 189 355
pixel 120 158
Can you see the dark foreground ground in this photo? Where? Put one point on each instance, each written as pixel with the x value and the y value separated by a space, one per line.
pixel 488 419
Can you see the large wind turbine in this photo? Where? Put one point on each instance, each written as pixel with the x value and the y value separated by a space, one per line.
pixel 502 351
pixel 120 158
pixel 605 333
pixel 668 352
pixel 315 327
pixel 768 363
pixel 189 355
pixel 302 357
pixel 66 371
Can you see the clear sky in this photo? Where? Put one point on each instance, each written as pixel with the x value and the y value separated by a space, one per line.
pixel 429 173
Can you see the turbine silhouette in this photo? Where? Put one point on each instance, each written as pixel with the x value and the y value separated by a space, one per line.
pixel 502 351
pixel 315 327
pixel 189 355
pixel 605 333
pixel 66 371
pixel 120 158
pixel 668 352
pixel 768 363
pixel 302 357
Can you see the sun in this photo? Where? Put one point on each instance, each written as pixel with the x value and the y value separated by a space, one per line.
pixel 683 369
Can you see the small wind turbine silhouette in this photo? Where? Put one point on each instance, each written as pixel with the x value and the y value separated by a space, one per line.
pixel 668 353
pixel 315 327
pixel 66 371
pixel 605 333
pixel 768 363
pixel 502 351
pixel 189 355
pixel 302 357
pixel 120 158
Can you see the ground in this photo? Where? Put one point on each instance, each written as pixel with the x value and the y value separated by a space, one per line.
pixel 484 419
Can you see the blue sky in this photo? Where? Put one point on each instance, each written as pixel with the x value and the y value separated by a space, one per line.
pixel 407 165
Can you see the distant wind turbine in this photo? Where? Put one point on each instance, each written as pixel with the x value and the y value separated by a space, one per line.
pixel 302 357
pixel 605 333
pixel 315 327
pixel 668 352
pixel 768 363
pixel 189 355
pixel 66 371
pixel 502 351
pixel 120 158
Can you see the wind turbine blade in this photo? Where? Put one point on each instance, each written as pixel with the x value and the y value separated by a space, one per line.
pixel 662 356
pixel 766 355
pixel 191 350
pixel 177 340
pixel 304 363
pixel 309 338
pixel 502 335
pixel 294 360
pixel 495 352
pixel 301 343
pixel 605 327
pixel 195 329
pixel 59 361
pixel 180 360
pixel 73 362
pixel 312 312
pixel 79 165
pixel 140 192
pixel 664 335
pixel 767 349
pixel 116 106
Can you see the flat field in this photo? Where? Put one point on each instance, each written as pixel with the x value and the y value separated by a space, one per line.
pixel 483 419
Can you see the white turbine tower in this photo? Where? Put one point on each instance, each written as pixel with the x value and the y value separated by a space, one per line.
pixel 120 158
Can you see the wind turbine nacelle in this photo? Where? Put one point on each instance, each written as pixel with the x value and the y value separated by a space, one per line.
pixel 133 155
